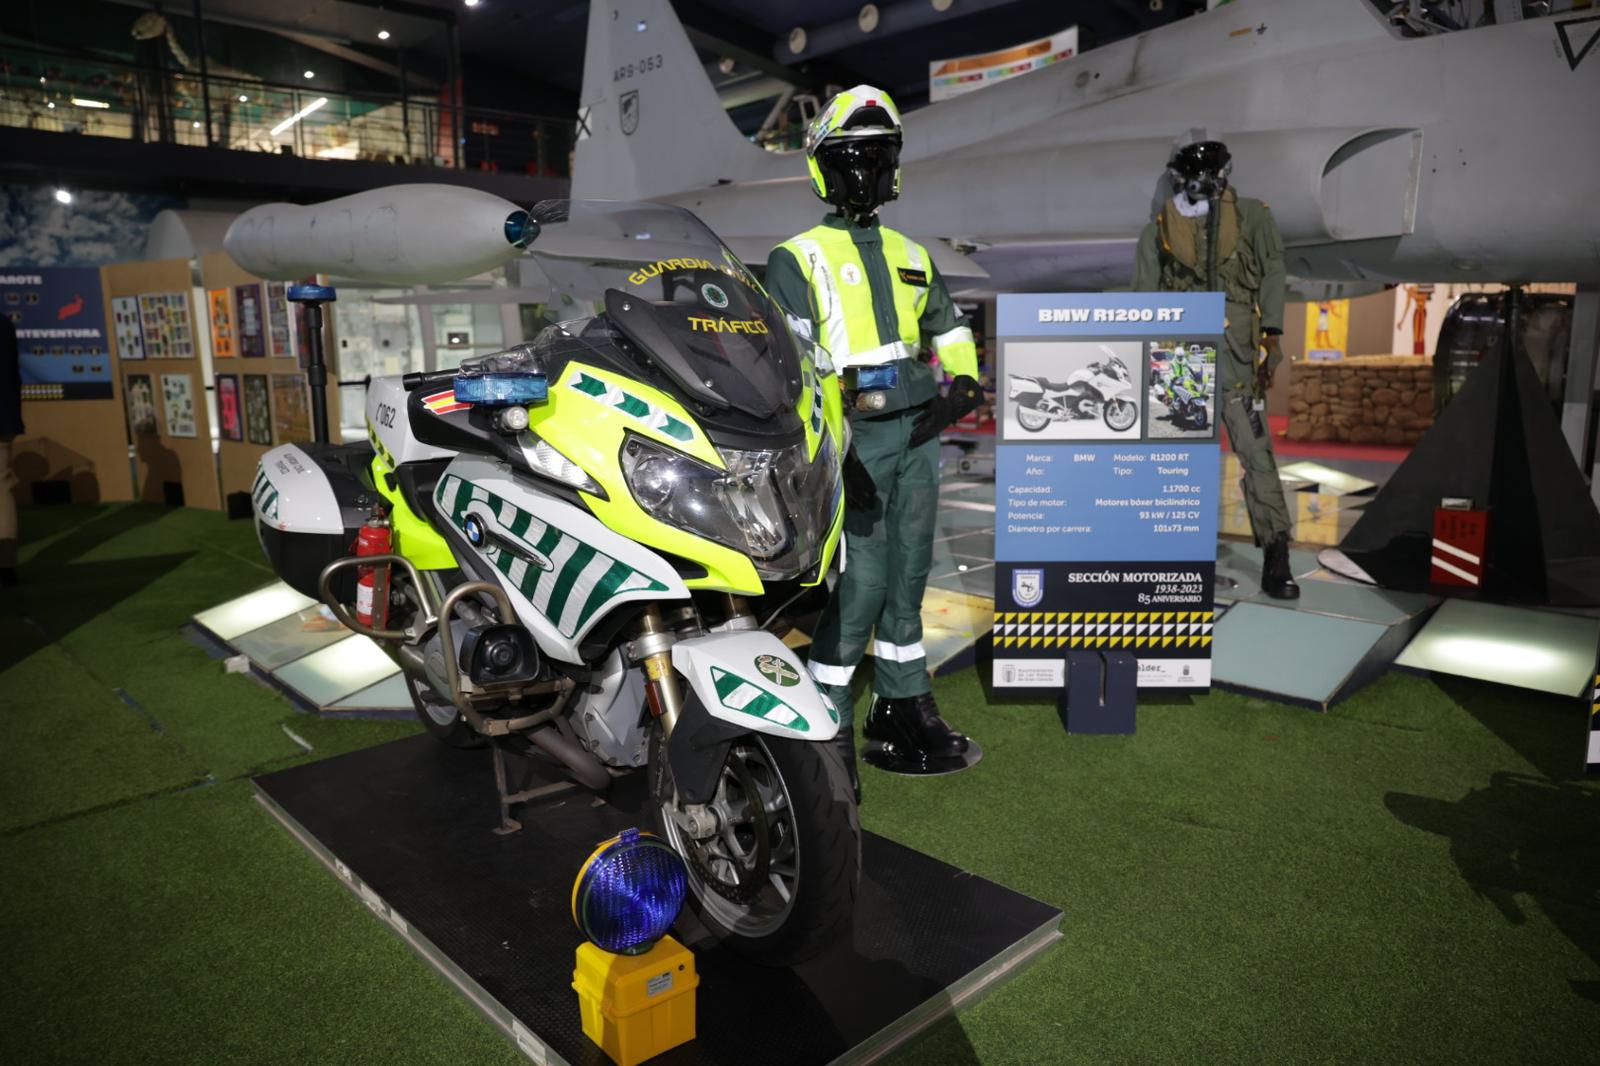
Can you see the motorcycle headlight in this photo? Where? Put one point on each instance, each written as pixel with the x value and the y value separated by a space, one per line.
pixel 775 506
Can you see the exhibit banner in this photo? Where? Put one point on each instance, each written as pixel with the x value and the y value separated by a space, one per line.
pixel 1106 479
pixel 952 77
pixel 60 318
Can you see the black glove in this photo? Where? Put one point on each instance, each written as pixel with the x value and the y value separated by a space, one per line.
pixel 860 493
pixel 941 412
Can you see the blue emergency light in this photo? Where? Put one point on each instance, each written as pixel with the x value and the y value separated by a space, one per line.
pixel 502 390
pixel 629 892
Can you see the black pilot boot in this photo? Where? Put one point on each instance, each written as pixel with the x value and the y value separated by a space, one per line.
pixel 912 726
pixel 844 742
pixel 1276 579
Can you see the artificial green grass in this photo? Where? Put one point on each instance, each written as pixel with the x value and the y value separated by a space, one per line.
pixel 1414 877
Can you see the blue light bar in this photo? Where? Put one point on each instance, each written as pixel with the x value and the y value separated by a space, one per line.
pixel 875 378
pixel 502 390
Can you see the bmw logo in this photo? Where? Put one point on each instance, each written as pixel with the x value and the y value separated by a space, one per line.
pixel 714 295
pixel 474 530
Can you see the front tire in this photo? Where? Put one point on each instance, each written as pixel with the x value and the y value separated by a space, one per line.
pixel 777 882
pixel 1120 415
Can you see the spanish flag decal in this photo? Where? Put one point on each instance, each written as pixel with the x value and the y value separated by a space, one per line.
pixel 443 403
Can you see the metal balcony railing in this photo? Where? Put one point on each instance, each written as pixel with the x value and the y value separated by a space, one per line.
pixel 66 93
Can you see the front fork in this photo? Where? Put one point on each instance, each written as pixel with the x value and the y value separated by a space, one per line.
pixel 651 647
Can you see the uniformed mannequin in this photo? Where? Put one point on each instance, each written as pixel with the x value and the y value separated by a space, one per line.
pixel 873 298
pixel 1207 238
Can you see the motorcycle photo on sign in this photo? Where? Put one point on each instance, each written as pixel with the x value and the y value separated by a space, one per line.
pixel 1071 390
pixel 1183 389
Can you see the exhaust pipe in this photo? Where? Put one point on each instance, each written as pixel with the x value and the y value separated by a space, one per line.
pixel 584 767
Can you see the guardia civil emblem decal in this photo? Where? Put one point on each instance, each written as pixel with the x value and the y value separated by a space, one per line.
pixel 777 671
pixel 1027 587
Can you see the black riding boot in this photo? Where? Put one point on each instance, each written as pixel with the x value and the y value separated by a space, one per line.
pixel 1276 579
pixel 913 727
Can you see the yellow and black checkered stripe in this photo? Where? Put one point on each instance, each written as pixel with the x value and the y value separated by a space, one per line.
pixel 1103 629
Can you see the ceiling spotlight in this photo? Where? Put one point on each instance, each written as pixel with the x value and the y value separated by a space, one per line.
pixel 470 3
pixel 243 99
pixel 311 74
pixel 41 79
pixel 195 124
pixel 383 35
pixel 63 196
pixel 51 104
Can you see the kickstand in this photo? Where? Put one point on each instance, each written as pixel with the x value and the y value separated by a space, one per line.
pixel 508 824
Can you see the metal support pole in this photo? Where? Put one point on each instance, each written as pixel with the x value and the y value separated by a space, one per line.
pixel 457 125
pixel 205 78
pixel 1578 414
pixel 405 104
pixel 313 297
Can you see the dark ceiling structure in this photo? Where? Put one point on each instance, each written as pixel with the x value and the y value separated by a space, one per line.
pixel 527 55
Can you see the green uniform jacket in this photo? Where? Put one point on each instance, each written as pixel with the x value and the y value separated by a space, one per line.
pixel 894 294
pixel 1251 274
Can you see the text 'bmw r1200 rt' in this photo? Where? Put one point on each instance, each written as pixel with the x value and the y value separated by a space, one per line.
pixel 587 531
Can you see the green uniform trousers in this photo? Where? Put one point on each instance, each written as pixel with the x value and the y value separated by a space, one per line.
pixel 888 551
pixel 1249 435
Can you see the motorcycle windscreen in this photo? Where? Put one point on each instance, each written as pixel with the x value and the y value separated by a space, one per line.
pixel 677 292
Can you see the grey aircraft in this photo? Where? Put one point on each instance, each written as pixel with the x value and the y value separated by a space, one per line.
pixel 1389 146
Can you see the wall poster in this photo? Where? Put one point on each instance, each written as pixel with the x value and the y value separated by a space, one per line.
pixel 125 324
pixel 140 395
pixel 62 347
pixel 229 415
pixel 280 339
pixel 177 403
pixel 1106 479
pixel 252 327
pixel 291 410
pixel 257 409
pixel 220 304
pixel 165 321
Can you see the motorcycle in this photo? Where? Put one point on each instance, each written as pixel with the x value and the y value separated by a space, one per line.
pixel 1100 389
pixel 1187 408
pixel 594 535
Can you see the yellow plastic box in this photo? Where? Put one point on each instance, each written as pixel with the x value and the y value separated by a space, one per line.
pixel 637 1006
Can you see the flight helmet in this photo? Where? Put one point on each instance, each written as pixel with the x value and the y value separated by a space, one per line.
pixel 1201 169
pixel 853 151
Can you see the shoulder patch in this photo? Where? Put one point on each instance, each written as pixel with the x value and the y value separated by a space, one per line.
pixel 914 277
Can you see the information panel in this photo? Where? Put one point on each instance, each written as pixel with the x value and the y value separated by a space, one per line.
pixel 1106 479
pixel 61 331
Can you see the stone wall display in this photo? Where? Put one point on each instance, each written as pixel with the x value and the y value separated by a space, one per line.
pixel 1366 399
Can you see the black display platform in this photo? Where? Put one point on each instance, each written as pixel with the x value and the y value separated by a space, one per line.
pixel 408 826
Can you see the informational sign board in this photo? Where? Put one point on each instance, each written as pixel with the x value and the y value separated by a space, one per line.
pixel 1106 482
pixel 61 331
pixel 952 77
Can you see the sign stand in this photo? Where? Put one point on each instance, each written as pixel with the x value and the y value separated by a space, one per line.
pixel 313 297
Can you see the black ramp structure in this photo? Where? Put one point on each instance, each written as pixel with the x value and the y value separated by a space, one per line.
pixel 408 826
pixel 1499 445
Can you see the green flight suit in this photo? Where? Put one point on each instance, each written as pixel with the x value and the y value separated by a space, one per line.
pixel 1172 257
pixel 872 297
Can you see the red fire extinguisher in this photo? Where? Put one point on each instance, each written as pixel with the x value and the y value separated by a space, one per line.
pixel 372 582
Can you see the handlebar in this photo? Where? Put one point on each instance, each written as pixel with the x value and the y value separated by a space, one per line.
pixel 422 379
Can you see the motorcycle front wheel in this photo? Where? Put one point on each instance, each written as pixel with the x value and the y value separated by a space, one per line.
pixel 777 878
pixel 1031 420
pixel 1120 415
